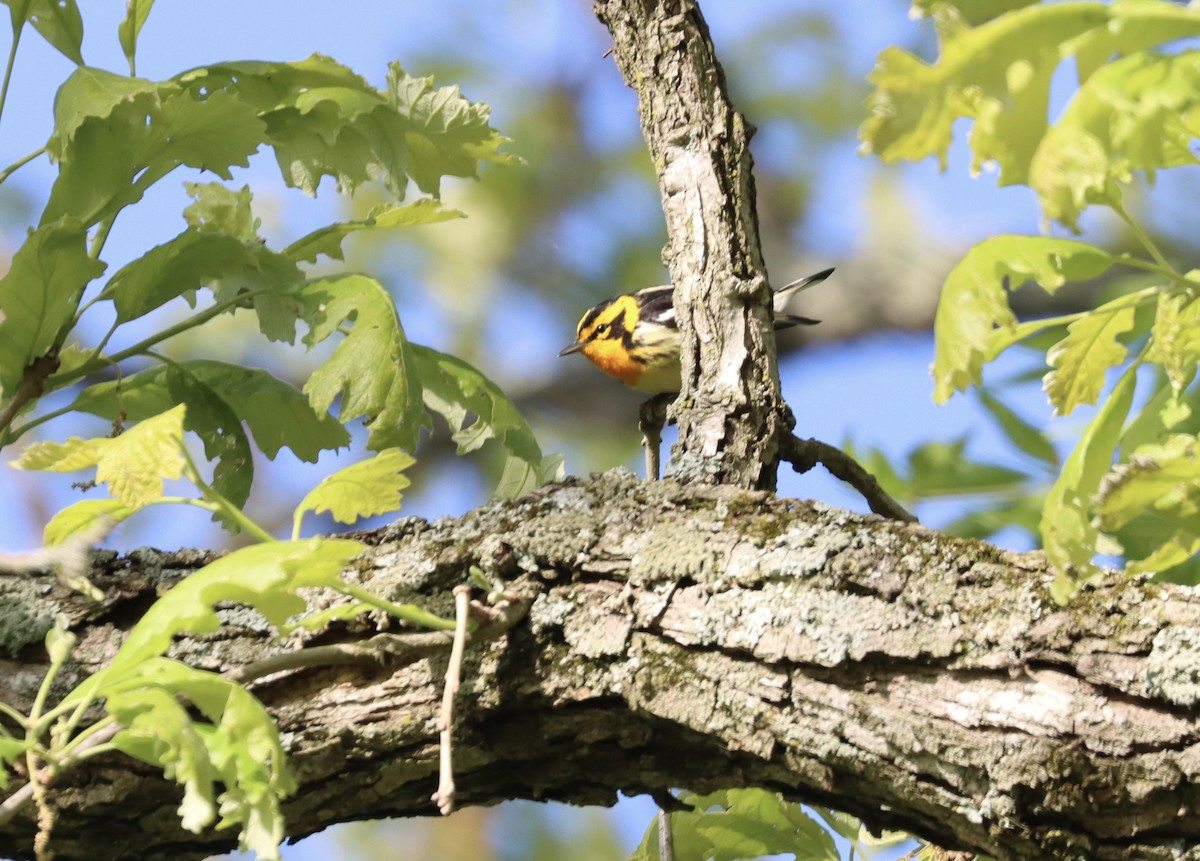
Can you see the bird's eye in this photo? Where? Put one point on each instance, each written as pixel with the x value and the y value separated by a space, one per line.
pixel 602 328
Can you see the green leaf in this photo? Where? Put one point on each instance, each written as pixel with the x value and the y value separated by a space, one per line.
pixel 362 489
pixel 195 259
pixel 742 823
pixel 457 391
pixel 222 211
pixel 1080 360
pixel 38 296
pixel 140 131
pixel 219 398
pixel 1023 512
pixel 133 465
pixel 92 94
pixel 1020 433
pixel 328 240
pixel 997 74
pixel 58 21
pixel 263 576
pixel 1175 340
pixel 973 306
pixel 1140 112
pixel 972 13
pixel 136 13
pixel 11 749
pixel 371 369
pixel 81 517
pixel 446 134
pixel 322 119
pixel 237 743
pixel 1163 480
pixel 943 469
pixel 1068 534
pixel 1164 412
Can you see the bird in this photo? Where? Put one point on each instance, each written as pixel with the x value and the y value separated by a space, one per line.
pixel 634 337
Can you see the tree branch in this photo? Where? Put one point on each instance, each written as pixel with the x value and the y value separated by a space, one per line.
pixel 696 637
pixel 730 408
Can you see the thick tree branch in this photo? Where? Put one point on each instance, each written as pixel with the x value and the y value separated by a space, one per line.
pixel 729 410
pixel 697 637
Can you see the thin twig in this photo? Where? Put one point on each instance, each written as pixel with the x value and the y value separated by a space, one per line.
pixel 444 796
pixel 803 455
pixel 666 844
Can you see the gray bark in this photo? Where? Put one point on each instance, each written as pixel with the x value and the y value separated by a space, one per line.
pixel 701 638
pixel 730 410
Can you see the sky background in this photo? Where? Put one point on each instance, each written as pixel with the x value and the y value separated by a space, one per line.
pixel 460 289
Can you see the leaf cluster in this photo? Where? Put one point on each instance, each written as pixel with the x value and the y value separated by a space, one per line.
pixel 1129 486
pixel 114 137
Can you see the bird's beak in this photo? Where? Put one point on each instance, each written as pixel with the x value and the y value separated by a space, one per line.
pixel 574 348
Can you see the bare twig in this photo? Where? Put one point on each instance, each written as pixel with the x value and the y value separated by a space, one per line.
pixel 803 455
pixel 444 796
pixel 666 845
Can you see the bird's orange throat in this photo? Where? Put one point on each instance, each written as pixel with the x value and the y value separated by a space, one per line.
pixel 611 357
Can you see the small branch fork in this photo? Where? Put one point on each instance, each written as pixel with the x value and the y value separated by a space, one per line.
pixel 802 454
pixel 444 796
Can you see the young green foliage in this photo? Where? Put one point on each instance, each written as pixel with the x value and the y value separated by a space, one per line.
pixel 734 824
pixel 114 138
pixel 1136 110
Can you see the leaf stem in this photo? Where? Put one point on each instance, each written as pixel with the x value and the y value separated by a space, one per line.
pixel 12 59
pixel 407 612
pixel 19 163
pixel 224 505
pixel 1146 241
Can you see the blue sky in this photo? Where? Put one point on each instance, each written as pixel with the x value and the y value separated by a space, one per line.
pixel 876 390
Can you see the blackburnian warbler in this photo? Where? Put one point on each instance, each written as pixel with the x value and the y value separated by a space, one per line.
pixel 634 336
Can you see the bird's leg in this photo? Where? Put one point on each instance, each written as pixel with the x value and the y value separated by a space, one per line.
pixel 651 418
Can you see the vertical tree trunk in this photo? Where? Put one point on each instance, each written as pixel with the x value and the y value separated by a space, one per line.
pixel 729 411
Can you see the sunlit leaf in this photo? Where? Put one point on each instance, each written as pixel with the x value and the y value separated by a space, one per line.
pixel 997 74
pixel 133 465
pixel 221 210
pixel 1067 531
pixel 363 489
pixel 263 576
pixel 973 304
pixel 371 369
pixel 1092 346
pixel 236 744
pixel 83 516
pixel 1176 338
pixel 1140 112
pixel 1163 479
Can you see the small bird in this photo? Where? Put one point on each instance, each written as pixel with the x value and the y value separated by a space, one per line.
pixel 634 336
